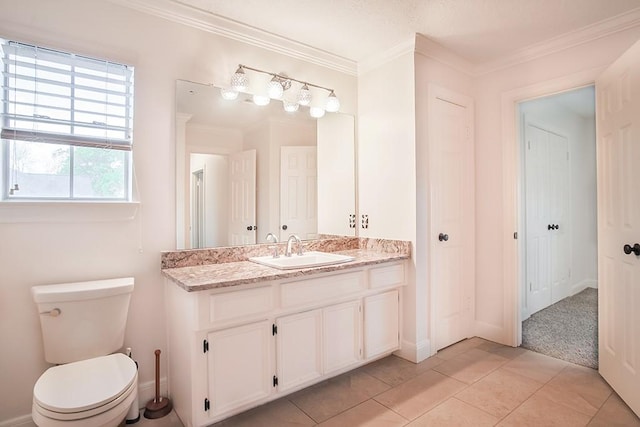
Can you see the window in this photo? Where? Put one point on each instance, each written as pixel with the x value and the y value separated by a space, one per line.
pixel 66 125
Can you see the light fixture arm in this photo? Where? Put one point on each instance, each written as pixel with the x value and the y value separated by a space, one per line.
pixel 280 76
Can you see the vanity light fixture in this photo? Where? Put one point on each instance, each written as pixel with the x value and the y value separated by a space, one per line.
pixel 276 89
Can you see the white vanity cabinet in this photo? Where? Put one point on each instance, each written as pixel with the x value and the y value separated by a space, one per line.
pixel 230 349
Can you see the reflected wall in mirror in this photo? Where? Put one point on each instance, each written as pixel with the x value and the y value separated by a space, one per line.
pixel 243 170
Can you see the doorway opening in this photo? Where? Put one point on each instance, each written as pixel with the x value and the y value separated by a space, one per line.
pixel 557 210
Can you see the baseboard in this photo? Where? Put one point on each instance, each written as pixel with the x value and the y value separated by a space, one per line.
pixel 581 286
pixel 490 332
pixel 413 352
pixel 23 421
pixel 146 392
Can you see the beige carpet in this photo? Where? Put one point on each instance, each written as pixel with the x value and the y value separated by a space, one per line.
pixel 567 330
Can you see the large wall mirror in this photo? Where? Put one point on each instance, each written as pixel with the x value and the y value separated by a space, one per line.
pixel 243 171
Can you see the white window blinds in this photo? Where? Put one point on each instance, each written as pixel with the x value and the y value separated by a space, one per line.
pixel 62 98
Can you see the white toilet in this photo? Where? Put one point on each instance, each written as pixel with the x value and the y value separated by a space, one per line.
pixel 82 324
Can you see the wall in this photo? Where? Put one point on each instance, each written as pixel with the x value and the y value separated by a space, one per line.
pixel 41 253
pixel 494 291
pixel 580 132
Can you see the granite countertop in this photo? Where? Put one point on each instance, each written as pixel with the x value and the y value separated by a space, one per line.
pixel 221 275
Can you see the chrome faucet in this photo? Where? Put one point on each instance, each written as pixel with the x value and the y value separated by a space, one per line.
pixel 269 238
pixel 289 244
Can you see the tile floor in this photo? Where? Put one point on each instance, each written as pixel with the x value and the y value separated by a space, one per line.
pixel 473 383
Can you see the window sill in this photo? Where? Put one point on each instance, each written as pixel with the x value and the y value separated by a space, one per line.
pixel 66 211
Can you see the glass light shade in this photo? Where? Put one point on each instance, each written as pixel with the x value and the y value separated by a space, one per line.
pixel 316 112
pixel 228 94
pixel 275 89
pixel 304 97
pixel 333 103
pixel 290 106
pixel 261 100
pixel 239 80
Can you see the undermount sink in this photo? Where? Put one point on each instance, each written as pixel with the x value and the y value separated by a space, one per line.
pixel 307 259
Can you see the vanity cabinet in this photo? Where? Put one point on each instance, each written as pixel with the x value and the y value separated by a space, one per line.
pixel 230 349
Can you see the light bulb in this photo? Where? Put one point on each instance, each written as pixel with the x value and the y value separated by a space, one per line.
pixel 261 100
pixel 290 106
pixel 316 112
pixel 239 80
pixel 333 103
pixel 304 97
pixel 275 89
pixel 228 94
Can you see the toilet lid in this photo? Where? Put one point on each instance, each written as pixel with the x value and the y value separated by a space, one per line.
pixel 84 385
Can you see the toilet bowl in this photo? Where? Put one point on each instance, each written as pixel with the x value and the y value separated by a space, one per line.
pixel 93 393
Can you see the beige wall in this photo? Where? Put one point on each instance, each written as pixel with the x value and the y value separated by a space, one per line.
pixel 41 253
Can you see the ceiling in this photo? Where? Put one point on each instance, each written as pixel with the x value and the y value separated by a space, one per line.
pixel 481 31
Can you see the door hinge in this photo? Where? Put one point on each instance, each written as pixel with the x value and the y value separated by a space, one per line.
pixel 274 329
pixel 515 235
pixel 207 404
pixel 530 286
pixel 275 381
pixel 205 346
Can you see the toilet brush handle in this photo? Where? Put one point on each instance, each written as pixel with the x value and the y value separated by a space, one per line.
pixel 157 399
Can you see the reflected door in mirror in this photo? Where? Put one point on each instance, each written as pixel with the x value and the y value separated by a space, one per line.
pixel 298 192
pixel 242 176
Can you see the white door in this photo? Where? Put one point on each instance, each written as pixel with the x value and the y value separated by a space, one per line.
pixel 299 349
pixel 452 215
pixel 559 197
pixel 240 366
pixel 546 226
pixel 342 335
pixel 381 324
pixel 618 153
pixel 242 203
pixel 298 192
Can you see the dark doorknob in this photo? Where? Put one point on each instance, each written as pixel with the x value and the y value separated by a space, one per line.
pixel 252 227
pixel 443 237
pixel 635 249
pixel 284 227
pixel 549 227
pixel 556 226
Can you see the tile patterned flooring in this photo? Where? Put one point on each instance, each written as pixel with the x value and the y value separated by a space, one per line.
pixel 473 383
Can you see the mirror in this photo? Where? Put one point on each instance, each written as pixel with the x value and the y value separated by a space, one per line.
pixel 243 171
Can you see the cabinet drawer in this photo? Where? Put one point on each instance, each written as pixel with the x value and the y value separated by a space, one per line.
pixel 223 308
pixel 387 276
pixel 305 292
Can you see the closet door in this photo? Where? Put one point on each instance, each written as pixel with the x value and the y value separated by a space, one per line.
pixel 547 210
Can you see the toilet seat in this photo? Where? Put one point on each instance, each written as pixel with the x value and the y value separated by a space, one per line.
pixel 85 388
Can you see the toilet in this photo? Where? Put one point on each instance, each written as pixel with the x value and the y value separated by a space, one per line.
pixel 83 325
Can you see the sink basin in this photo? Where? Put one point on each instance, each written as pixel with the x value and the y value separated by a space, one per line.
pixel 306 260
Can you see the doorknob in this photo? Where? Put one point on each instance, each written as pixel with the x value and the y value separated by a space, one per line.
pixel 549 227
pixel 556 226
pixel 635 249
pixel 250 227
pixel 284 227
pixel 443 237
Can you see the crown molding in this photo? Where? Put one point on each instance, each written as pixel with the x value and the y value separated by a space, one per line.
pixel 565 41
pixel 381 58
pixel 434 50
pixel 215 24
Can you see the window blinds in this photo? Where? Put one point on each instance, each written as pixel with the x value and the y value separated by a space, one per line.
pixel 62 98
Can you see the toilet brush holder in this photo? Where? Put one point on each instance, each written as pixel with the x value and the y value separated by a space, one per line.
pixel 159 406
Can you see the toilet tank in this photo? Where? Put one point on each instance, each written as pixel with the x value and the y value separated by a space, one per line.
pixel 83 320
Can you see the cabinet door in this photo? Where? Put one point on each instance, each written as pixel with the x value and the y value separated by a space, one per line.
pixel 342 326
pixel 240 366
pixel 299 348
pixel 381 324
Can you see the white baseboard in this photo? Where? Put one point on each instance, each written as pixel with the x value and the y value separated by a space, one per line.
pixel 581 286
pixel 146 392
pixel 413 352
pixel 490 332
pixel 23 421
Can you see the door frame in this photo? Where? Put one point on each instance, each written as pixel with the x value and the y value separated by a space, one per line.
pixel 513 249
